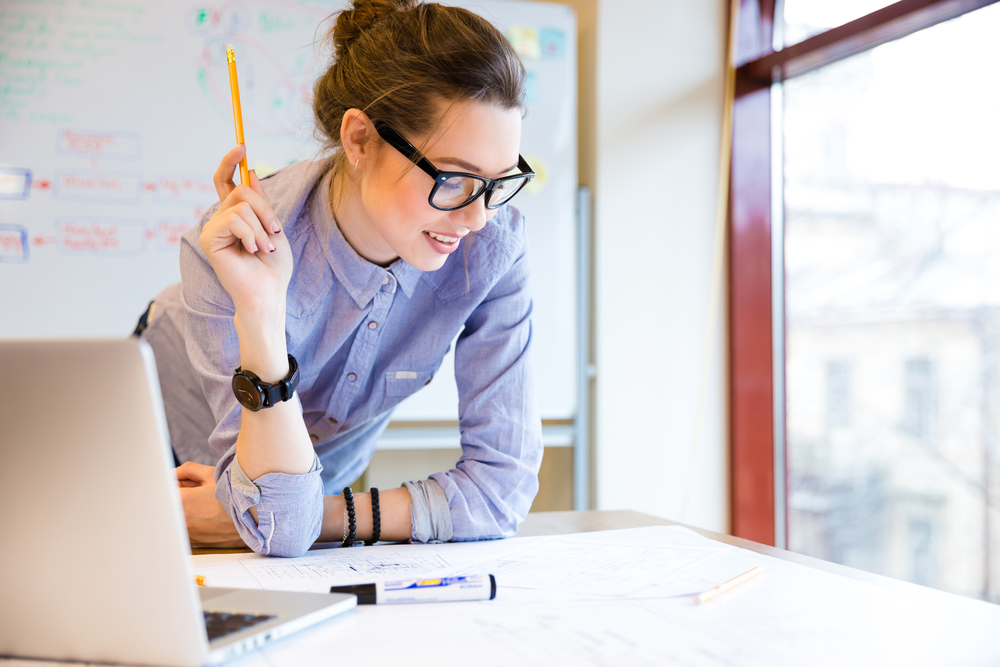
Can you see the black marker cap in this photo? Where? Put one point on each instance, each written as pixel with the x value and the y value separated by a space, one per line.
pixel 365 592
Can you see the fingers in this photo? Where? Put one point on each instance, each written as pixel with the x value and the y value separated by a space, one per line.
pixel 236 224
pixel 251 231
pixel 194 472
pixel 274 227
pixel 255 197
pixel 223 177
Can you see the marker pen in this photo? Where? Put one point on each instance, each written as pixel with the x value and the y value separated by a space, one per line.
pixel 447 589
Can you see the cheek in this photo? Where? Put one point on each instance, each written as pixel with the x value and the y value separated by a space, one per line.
pixel 413 212
pixel 396 204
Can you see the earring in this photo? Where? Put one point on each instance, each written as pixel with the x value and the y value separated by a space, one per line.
pixel 356 164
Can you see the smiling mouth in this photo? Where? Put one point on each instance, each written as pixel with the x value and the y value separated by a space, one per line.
pixel 447 240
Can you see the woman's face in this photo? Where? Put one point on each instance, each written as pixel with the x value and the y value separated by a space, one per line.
pixel 390 216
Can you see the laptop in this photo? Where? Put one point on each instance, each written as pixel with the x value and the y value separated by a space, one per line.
pixel 95 561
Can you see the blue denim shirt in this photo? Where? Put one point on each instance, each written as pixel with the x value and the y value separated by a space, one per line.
pixel 365 338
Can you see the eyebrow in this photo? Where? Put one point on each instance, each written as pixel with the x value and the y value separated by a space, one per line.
pixel 469 166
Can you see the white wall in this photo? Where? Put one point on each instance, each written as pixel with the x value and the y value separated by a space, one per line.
pixel 659 72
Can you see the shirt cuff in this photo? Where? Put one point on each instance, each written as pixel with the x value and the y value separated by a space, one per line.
pixel 430 515
pixel 289 508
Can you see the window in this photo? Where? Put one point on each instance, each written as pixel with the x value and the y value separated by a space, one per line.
pixel 919 416
pixel 805 18
pixel 884 266
pixel 838 394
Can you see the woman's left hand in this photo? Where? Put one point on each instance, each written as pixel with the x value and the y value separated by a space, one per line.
pixel 207 522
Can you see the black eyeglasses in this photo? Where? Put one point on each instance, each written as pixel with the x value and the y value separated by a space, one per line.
pixel 455 189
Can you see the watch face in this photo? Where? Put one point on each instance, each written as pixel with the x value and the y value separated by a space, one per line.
pixel 246 393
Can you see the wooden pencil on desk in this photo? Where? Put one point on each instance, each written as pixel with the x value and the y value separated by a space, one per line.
pixel 728 586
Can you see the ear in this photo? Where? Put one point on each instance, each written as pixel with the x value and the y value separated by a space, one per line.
pixel 356 136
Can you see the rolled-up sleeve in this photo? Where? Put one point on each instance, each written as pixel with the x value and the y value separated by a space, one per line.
pixel 289 507
pixel 491 488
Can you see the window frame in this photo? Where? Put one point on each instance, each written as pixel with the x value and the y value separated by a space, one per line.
pixel 758 478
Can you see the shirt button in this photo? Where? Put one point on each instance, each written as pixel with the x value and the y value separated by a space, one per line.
pixel 385 281
pixel 314 437
pixel 373 325
pixel 351 377
pixel 332 420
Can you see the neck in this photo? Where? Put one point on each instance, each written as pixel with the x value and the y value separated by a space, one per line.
pixel 355 224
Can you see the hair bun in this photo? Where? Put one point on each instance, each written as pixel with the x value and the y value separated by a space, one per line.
pixel 364 14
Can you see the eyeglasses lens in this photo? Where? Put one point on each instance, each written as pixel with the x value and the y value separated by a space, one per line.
pixel 457 190
pixel 504 190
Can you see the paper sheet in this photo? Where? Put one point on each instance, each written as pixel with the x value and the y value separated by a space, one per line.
pixel 612 569
pixel 317 571
pixel 618 563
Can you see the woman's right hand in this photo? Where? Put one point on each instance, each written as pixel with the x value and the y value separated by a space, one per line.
pixel 244 243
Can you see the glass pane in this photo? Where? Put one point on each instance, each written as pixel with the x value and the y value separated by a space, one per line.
pixel 892 261
pixel 457 190
pixel 805 18
pixel 506 189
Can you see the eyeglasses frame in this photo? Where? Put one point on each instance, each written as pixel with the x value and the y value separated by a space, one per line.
pixel 397 141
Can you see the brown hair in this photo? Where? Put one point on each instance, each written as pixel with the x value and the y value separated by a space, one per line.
pixel 397 59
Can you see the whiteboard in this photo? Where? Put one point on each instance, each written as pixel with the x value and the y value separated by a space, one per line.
pixel 113 117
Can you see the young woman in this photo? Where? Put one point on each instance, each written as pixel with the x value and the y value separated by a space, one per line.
pixel 336 287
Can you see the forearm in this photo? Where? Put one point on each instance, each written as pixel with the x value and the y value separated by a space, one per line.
pixel 394 515
pixel 274 439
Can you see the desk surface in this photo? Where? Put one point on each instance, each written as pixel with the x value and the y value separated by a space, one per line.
pixel 780 621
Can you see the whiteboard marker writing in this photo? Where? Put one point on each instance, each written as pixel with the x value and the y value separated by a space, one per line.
pixel 447 589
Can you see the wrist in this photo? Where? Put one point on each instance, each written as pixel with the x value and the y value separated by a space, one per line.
pixel 263 349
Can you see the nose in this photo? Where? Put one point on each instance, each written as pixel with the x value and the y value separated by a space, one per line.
pixel 475 216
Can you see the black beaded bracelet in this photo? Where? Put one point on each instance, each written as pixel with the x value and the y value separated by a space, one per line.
pixel 376 519
pixel 352 522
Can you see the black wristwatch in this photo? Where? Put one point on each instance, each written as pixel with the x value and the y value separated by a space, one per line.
pixel 255 394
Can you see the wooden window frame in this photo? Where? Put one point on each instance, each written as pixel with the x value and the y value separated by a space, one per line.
pixel 758 506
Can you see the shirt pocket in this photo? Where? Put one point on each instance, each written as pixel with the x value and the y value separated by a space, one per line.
pixel 400 384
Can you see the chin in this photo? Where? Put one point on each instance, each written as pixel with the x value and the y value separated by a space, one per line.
pixel 424 263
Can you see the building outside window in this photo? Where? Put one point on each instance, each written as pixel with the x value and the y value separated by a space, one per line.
pixel 892 286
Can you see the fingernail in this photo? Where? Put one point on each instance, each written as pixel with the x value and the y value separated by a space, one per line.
pixel 271 248
pixel 255 249
pixel 275 229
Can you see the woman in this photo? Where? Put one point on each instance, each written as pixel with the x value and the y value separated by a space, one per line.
pixel 336 288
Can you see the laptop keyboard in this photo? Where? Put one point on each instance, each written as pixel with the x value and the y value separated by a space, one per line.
pixel 221 623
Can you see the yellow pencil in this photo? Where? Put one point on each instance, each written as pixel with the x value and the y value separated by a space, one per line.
pixel 728 586
pixel 200 580
pixel 234 88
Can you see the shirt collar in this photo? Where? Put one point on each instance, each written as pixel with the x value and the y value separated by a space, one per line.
pixel 360 278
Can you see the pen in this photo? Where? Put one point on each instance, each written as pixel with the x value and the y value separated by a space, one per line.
pixel 728 586
pixel 200 580
pixel 234 88
pixel 446 589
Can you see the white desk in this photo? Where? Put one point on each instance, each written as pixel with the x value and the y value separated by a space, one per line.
pixel 875 620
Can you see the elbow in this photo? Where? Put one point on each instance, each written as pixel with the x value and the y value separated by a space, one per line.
pixel 291 549
pixel 510 515
pixel 289 534
pixel 511 521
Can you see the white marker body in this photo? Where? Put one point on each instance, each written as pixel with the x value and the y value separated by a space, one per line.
pixel 448 589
